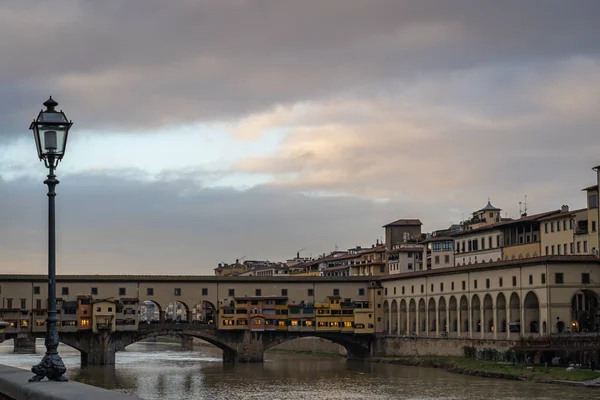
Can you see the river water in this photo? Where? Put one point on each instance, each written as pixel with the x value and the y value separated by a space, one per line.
pixel 154 370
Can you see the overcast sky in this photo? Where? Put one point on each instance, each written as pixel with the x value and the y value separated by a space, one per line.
pixel 206 131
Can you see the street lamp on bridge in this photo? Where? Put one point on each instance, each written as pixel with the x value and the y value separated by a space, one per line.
pixel 50 131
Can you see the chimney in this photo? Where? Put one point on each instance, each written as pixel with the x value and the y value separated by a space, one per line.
pixel 237 260
pixel 564 208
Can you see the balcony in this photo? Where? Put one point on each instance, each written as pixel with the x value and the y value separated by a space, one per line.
pixel 581 230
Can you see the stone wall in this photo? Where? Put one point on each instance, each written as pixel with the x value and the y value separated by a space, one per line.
pixel 413 346
pixel 313 344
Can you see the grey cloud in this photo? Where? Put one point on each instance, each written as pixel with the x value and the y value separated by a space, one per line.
pixel 112 225
pixel 141 64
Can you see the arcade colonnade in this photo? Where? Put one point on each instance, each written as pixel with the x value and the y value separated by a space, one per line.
pixel 501 315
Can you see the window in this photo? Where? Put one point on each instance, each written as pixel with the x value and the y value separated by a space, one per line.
pixel 258 292
pixel 402 289
pixel 441 286
pixel 531 279
pixel 422 288
pixel 572 248
pixel 559 277
pixel 361 292
pixel 109 309
pixel 382 269
pixel 543 279
pixel 437 259
pixel 23 304
pixel 446 259
pixel 593 226
pixel 490 242
pixel 336 292
pixel 546 227
pixel 311 292
pixel 571 224
pixel 482 243
pixel 564 224
pixel 585 246
pixel 149 291
pixel 564 248
pixel 231 292
pixel 9 303
pixel 464 285
pixel 65 291
pixel 122 291
pixel 552 249
pixel 38 304
pixel 585 278
pixel 94 291
pixel 36 290
pixel 432 288
pixel 547 250
pixel 394 289
pixel 177 291
pixel 284 292
pixel 557 226
pixel 498 241
pixel 410 266
pixel 475 283
pixel 452 286
pixel 204 291
pixel 514 281
pixel 412 288
pixel 552 227
pixel 578 247
pixel 593 201
pixel 487 283
pixel 500 283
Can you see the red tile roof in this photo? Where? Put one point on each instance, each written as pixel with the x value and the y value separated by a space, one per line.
pixel 405 222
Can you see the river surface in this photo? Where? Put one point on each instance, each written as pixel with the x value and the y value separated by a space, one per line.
pixel 155 370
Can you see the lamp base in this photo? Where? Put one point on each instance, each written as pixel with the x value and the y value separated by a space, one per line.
pixel 52 367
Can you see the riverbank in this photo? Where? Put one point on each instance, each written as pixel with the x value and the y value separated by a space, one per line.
pixel 495 369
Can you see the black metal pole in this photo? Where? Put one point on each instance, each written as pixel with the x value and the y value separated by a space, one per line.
pixel 51 365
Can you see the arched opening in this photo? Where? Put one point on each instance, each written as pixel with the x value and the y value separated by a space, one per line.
pixel 514 317
pixel 422 315
pixel 394 317
pixel 501 313
pixel 311 344
pixel 203 313
pixel 531 307
pixel 442 316
pixel 150 312
pixel 177 311
pixel 453 314
pixel 431 314
pixel 464 315
pixel 488 314
pixel 585 314
pixel 475 314
pixel 386 317
pixel 412 317
pixel 403 318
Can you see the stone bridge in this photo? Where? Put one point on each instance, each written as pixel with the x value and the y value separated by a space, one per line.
pixel 237 346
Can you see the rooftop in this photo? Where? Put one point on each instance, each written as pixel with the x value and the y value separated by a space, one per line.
pixel 490 207
pixel 503 224
pixel 405 222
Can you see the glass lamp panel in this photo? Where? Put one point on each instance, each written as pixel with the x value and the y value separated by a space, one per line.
pixel 56 117
pixel 52 139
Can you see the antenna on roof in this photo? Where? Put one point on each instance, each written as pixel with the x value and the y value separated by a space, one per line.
pixel 523 212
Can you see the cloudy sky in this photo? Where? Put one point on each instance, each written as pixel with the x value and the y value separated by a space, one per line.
pixel 206 131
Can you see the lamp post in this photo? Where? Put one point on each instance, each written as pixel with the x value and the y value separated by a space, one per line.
pixel 50 131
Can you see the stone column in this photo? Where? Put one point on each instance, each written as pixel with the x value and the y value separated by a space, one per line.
pixel 448 322
pixel 408 319
pixel 187 343
pixel 417 325
pixel 458 320
pixel 495 318
pixel 24 344
pixel 437 321
pixel 481 321
pixel 522 319
pixel 507 321
pixel 251 349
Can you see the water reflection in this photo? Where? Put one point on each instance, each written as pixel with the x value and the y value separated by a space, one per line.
pixel 165 371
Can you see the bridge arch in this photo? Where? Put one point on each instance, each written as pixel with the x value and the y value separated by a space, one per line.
pixel 147 334
pixel 356 347
pixel 584 307
pixel 386 316
pixel 177 310
pixel 394 317
pixel 151 312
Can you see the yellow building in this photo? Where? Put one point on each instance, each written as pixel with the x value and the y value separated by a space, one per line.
pixel 329 314
pixel 104 316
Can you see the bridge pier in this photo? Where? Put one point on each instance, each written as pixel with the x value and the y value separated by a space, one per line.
pixel 248 349
pixel 187 343
pixel 24 344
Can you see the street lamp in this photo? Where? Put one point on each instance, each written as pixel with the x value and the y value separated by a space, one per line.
pixel 50 131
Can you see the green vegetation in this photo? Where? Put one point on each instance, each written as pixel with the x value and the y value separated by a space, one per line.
pixel 305 352
pixel 494 369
